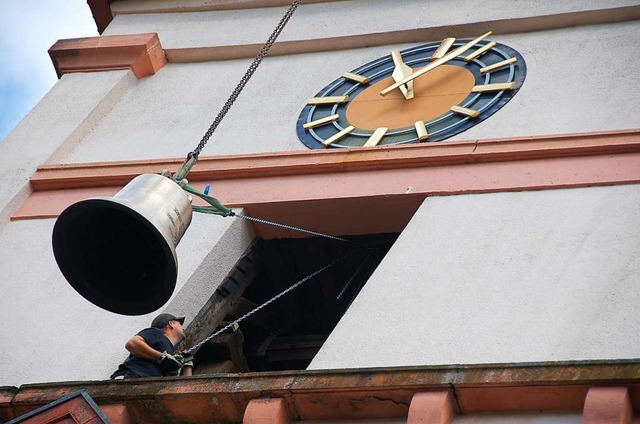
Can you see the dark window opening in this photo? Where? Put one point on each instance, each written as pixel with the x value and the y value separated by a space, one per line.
pixel 289 332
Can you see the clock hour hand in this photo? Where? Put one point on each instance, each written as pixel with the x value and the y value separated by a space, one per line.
pixel 433 65
pixel 402 71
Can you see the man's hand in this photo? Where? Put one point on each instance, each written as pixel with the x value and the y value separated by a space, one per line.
pixel 169 363
pixel 187 363
pixel 185 358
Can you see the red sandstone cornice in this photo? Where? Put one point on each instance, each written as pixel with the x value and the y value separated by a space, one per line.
pixel 292 187
pixel 308 162
pixel 103 15
pixel 140 52
pixel 347 394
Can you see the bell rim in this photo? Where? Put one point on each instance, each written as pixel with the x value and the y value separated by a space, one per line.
pixel 152 304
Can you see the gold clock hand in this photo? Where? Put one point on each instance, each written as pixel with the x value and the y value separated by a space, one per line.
pixel 402 71
pixel 433 65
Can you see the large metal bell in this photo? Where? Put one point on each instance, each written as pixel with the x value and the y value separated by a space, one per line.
pixel 119 252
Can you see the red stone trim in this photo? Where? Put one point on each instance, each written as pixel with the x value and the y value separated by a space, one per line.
pixel 312 162
pixel 7 394
pixel 353 393
pixel 266 411
pixel 431 408
pixel 142 53
pixel 608 405
pixel 126 8
pixel 292 186
pixel 416 35
pixel 101 11
pixel 117 414
pixel 103 16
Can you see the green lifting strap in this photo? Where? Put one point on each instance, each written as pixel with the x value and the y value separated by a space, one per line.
pixel 216 207
pixel 219 209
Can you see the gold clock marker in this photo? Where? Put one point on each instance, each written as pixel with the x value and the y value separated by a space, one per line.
pixel 376 137
pixel 443 48
pixel 435 64
pixel 450 95
pixel 498 65
pixel 362 79
pixel 465 111
pixel 327 100
pixel 493 87
pixel 421 130
pixel 321 121
pixel 482 50
pixel 338 136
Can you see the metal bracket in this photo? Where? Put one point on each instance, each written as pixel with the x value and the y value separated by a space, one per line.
pixel 185 168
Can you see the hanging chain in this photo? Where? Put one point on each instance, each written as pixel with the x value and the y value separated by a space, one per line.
pixel 193 156
pixel 268 302
pixel 243 81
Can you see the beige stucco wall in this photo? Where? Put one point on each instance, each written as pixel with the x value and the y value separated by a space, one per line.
pixel 62 337
pixel 579 79
pixel 332 19
pixel 499 278
pixel 68 338
pixel 62 117
pixel 585 84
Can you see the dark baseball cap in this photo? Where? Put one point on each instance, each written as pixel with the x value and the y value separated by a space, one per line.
pixel 163 319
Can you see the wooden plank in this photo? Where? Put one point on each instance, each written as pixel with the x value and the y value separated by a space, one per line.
pixel 221 302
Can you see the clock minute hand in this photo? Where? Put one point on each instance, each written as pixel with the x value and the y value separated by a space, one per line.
pixel 400 72
pixel 433 65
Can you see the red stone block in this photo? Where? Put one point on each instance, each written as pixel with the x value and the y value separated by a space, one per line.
pixel 607 405
pixel 431 408
pixel 266 411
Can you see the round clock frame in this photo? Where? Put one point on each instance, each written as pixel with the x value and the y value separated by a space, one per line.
pixel 441 127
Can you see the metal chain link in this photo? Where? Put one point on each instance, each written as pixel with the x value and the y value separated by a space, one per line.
pixel 268 302
pixel 243 81
pixel 196 152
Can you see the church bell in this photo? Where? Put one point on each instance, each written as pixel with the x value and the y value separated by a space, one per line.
pixel 119 252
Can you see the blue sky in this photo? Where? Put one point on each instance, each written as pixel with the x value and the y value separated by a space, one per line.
pixel 27 29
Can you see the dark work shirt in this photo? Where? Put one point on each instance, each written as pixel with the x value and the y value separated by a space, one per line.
pixel 141 367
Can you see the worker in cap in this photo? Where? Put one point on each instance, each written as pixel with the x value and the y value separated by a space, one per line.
pixel 152 351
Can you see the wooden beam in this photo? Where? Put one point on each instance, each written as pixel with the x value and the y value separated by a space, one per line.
pixel 293 348
pixel 221 302
pixel 225 347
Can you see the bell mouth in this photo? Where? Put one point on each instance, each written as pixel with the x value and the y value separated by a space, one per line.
pixel 114 257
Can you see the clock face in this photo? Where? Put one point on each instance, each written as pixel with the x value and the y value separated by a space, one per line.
pixel 459 83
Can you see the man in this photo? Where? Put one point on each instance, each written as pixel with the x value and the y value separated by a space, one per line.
pixel 152 351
